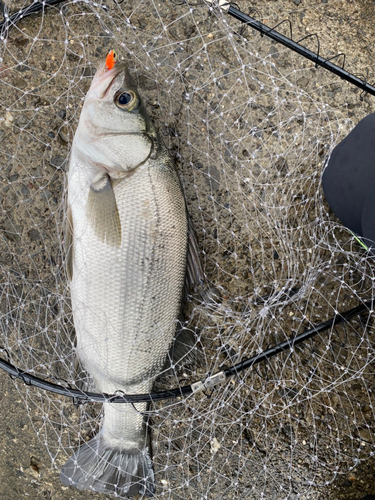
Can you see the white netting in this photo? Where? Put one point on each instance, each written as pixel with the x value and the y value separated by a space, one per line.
pixel 250 127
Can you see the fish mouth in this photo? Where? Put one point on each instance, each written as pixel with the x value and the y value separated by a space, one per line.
pixel 103 75
pixel 109 86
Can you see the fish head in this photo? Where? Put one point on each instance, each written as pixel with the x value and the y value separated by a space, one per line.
pixel 115 130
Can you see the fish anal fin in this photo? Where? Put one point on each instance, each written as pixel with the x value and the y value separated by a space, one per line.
pixel 68 243
pixel 102 211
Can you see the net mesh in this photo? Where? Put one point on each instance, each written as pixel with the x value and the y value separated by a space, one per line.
pixel 250 127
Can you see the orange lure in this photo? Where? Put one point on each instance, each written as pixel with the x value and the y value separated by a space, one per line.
pixel 111 59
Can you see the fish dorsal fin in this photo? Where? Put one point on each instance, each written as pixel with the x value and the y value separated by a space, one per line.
pixel 83 380
pixel 184 351
pixel 68 244
pixel 102 212
pixel 195 277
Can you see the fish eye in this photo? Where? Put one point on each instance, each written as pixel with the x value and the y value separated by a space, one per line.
pixel 126 100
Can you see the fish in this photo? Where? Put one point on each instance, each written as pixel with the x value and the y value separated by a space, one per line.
pixel 131 256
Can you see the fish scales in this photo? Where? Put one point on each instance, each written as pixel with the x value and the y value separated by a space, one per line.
pixel 126 252
pixel 126 299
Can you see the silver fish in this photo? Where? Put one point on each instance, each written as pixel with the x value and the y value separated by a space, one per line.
pixel 128 237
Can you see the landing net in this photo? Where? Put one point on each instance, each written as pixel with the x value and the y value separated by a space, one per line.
pixel 250 126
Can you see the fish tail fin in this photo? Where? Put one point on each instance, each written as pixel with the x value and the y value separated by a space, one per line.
pixel 101 468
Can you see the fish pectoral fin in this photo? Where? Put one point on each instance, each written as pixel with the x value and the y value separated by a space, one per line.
pixel 102 212
pixel 68 244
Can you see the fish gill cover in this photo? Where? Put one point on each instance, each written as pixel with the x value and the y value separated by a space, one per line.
pixel 250 127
